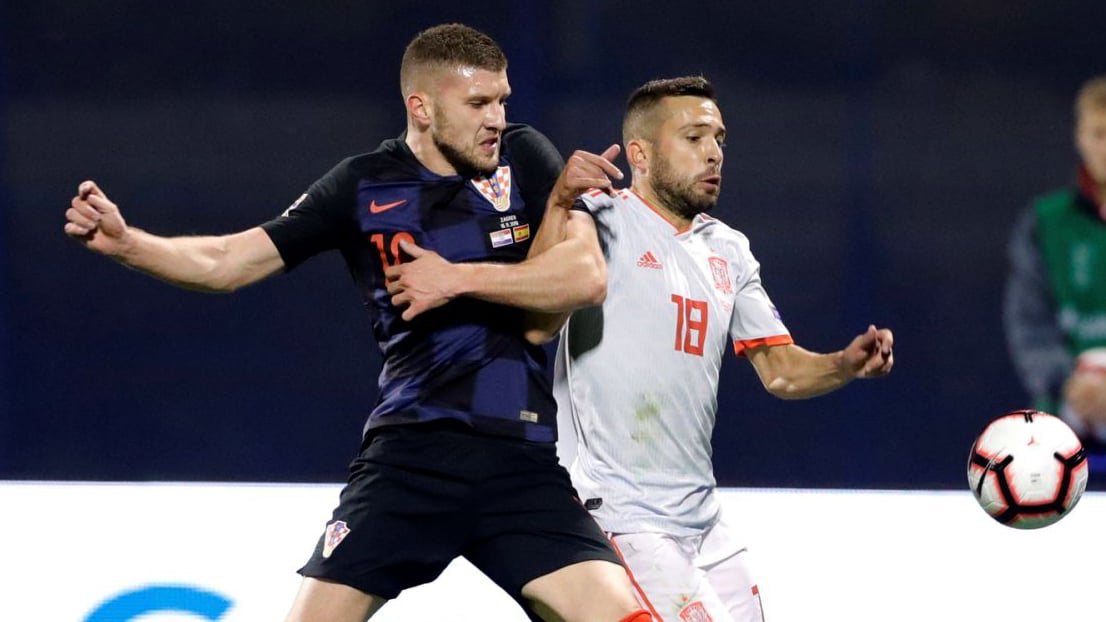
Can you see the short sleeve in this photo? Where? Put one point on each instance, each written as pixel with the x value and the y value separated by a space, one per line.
pixel 755 320
pixel 319 220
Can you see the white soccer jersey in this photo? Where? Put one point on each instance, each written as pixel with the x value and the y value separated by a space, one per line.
pixel 637 377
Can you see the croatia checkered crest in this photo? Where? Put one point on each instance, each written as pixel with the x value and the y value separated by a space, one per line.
pixel 1027 469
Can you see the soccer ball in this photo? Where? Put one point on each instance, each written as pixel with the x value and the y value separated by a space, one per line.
pixel 1027 469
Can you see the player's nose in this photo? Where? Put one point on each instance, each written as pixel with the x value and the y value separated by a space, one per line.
pixel 497 117
pixel 714 152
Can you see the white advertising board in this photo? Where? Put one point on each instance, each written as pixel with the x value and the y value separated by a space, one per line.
pixel 228 553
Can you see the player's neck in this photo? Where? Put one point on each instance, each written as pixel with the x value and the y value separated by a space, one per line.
pixel 427 153
pixel 646 192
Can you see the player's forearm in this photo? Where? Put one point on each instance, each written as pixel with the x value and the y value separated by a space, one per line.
pixel 808 374
pixel 565 277
pixel 203 263
pixel 541 328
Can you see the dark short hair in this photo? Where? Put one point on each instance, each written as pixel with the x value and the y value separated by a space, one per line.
pixel 647 96
pixel 449 46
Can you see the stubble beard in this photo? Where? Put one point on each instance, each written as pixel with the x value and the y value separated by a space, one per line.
pixel 465 163
pixel 677 194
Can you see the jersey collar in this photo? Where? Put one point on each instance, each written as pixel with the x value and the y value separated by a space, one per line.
pixel 664 215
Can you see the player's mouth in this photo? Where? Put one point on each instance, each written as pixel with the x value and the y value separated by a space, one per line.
pixel 489 146
pixel 712 182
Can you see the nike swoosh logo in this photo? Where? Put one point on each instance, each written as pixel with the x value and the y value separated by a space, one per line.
pixel 376 208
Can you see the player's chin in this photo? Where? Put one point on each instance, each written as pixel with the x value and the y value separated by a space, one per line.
pixel 707 191
pixel 707 202
pixel 486 165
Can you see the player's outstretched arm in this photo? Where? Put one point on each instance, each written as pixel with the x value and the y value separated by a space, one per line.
pixel 791 372
pixel 206 263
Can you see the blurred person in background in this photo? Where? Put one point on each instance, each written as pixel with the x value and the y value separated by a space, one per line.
pixel 1054 306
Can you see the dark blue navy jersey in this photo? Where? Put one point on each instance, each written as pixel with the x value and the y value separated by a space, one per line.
pixel 466 360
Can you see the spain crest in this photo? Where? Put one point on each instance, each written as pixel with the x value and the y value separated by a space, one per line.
pixel 720 271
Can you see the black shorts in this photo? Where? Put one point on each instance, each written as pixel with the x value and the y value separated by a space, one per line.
pixel 420 495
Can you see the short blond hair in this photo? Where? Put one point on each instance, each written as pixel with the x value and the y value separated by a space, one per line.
pixel 448 46
pixel 1091 96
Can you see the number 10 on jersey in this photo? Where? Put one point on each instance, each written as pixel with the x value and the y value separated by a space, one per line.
pixel 691 324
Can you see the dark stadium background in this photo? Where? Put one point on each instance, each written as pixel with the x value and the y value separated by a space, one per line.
pixel 878 153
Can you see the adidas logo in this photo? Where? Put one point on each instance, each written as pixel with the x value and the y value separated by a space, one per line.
pixel 648 260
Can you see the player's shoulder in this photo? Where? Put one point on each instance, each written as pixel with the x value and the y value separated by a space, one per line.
pixel 523 145
pixel 720 233
pixel 1063 192
pixel 522 132
pixel 605 206
pixel 1055 201
pixel 598 200
pixel 391 160
pixel 717 226
pixel 520 137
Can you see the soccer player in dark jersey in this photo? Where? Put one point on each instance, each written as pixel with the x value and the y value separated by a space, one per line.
pixel 458 456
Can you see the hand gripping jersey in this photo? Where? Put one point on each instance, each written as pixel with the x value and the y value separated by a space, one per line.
pixel 638 376
pixel 466 360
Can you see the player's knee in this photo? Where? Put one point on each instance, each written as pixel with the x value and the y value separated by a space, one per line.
pixel 640 615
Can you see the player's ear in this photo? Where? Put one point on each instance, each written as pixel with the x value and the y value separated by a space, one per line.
pixel 637 154
pixel 419 107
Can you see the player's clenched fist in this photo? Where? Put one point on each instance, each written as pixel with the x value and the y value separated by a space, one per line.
pixel 870 354
pixel 95 221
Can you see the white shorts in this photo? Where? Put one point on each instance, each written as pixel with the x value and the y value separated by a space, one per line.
pixel 701 578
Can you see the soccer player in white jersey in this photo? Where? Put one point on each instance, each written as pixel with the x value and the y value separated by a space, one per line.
pixel 637 377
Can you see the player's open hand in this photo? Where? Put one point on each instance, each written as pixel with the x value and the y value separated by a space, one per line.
pixel 421 283
pixel 95 221
pixel 586 171
pixel 871 354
